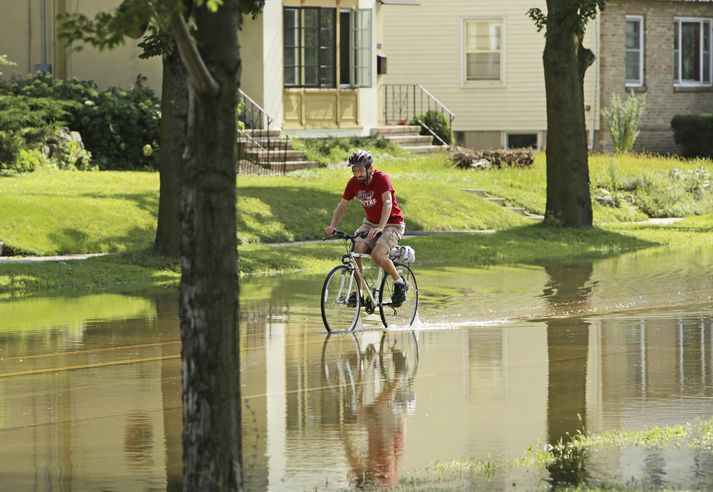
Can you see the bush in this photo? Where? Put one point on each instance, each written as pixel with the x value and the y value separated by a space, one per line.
pixel 115 124
pixel 693 133
pixel 27 123
pixel 677 194
pixel 623 120
pixel 29 160
pixel 437 122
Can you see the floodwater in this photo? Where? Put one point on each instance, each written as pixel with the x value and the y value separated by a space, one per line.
pixel 502 359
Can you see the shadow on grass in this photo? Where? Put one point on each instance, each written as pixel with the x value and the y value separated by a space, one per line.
pixel 295 213
pixel 147 202
pixel 536 244
pixel 72 240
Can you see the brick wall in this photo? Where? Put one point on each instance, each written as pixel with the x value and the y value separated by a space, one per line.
pixel 663 101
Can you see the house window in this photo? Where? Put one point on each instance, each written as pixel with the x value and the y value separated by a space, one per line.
pixel 309 43
pixel 355 48
pixel 692 52
pixel 634 51
pixel 482 49
pixel 311 48
pixel 521 140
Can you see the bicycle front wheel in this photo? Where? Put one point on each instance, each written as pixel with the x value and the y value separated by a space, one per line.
pixel 405 314
pixel 338 313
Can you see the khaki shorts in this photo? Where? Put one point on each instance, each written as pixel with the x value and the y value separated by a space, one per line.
pixel 389 238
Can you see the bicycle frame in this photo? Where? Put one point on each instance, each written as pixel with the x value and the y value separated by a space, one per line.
pixel 350 261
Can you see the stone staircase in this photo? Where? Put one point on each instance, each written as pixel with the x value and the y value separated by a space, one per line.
pixel 270 150
pixel 409 138
pixel 501 201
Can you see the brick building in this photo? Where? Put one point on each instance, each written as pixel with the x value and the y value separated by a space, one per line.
pixel 660 48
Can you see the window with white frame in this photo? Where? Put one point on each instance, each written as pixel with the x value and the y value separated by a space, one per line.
pixel 692 52
pixel 355 48
pixel 482 49
pixel 634 51
pixel 312 51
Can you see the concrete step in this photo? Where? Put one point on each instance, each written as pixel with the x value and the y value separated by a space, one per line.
pixel 475 191
pixel 295 165
pixel 499 201
pixel 518 210
pixel 259 133
pixel 395 130
pixel 271 143
pixel 290 155
pixel 425 149
pixel 404 140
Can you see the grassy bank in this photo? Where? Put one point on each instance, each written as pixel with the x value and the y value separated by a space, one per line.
pixel 55 212
pixel 533 244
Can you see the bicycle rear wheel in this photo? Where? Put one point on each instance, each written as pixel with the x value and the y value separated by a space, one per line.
pixel 337 313
pixel 405 314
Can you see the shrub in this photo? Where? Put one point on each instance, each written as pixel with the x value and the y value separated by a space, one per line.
pixel 437 122
pixel 29 160
pixel 4 62
pixel 623 120
pixel 27 123
pixel 676 194
pixel 693 133
pixel 115 124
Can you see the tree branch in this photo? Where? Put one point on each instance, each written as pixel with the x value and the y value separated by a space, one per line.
pixel 198 73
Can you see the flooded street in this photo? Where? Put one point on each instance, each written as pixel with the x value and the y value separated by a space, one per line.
pixel 502 359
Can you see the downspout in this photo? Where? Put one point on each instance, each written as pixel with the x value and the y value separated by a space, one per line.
pixel 60 70
pixel 43 32
pixel 595 84
pixel 29 36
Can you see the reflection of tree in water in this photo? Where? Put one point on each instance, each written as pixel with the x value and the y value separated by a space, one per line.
pixel 567 291
pixel 379 394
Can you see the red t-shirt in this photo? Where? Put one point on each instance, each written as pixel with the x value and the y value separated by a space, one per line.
pixel 370 197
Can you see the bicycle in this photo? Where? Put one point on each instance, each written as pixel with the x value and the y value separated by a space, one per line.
pixel 346 286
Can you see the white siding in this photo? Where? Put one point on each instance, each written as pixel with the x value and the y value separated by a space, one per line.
pixel 424 46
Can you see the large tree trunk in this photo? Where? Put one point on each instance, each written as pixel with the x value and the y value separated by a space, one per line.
pixel 171 166
pixel 209 281
pixel 565 62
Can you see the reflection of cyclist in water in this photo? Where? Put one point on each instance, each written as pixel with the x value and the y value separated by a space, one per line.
pixel 386 435
pixel 372 390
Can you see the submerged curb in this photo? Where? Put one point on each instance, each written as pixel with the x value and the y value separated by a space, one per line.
pixel 38 259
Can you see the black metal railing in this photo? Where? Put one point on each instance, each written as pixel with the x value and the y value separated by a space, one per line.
pixel 261 150
pixel 404 103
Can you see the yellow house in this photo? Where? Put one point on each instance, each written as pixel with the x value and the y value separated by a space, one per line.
pixel 28 36
pixel 311 64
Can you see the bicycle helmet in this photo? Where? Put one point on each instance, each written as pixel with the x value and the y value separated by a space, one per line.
pixel 360 158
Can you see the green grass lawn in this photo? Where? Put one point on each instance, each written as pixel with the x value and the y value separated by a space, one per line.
pixel 51 212
pixel 62 212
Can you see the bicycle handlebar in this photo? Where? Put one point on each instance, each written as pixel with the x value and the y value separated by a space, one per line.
pixel 347 237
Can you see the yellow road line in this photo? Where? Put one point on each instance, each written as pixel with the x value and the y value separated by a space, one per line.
pixel 92 351
pixel 87 366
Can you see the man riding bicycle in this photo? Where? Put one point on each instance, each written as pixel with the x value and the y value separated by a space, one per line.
pixel 383 221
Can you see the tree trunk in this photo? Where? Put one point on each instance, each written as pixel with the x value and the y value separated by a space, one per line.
pixel 171 165
pixel 565 62
pixel 209 281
